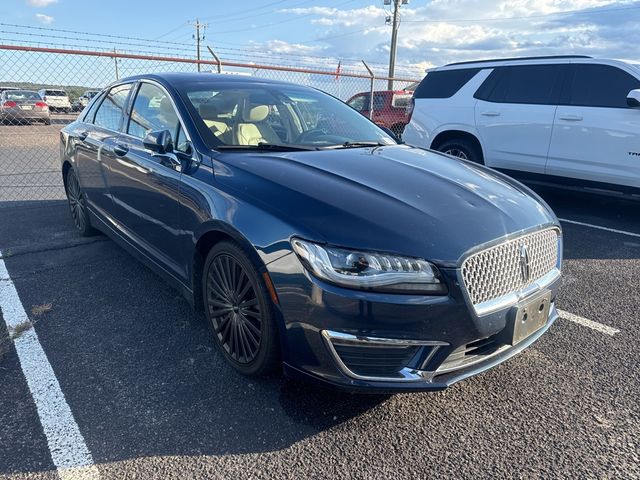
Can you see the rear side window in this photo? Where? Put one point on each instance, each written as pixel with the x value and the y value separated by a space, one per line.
pixel 444 83
pixel 528 84
pixel 109 114
pixel 601 86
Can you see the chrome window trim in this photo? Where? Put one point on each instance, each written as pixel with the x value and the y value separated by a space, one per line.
pixel 407 374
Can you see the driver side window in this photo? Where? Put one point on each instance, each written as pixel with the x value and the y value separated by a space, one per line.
pixel 152 111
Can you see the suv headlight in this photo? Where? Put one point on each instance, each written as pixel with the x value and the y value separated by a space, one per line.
pixel 371 271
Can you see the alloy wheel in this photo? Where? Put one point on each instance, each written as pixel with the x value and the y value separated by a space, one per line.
pixel 456 152
pixel 76 202
pixel 234 308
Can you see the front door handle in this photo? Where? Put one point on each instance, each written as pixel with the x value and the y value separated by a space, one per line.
pixel 120 150
pixel 491 113
pixel 571 118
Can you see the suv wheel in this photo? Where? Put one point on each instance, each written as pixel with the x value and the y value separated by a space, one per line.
pixel 462 148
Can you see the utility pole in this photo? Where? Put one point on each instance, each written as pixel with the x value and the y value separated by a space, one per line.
pixel 395 25
pixel 198 37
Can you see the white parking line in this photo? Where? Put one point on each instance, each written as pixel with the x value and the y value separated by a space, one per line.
pixel 66 444
pixel 585 322
pixel 600 227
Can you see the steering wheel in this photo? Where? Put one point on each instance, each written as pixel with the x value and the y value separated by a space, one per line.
pixel 310 135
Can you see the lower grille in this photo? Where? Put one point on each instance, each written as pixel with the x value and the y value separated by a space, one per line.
pixel 471 353
pixel 376 361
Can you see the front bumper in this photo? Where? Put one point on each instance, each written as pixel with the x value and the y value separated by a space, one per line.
pixel 361 341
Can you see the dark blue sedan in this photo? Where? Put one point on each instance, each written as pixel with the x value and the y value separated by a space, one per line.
pixel 309 238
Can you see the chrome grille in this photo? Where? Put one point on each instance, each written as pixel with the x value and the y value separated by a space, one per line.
pixel 501 270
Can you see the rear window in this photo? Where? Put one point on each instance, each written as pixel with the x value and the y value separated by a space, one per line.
pixel 19 95
pixel 400 101
pixel 55 93
pixel 444 83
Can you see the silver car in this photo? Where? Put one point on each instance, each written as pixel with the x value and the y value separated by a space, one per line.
pixel 17 106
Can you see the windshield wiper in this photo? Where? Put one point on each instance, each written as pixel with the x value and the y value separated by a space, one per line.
pixel 358 145
pixel 273 147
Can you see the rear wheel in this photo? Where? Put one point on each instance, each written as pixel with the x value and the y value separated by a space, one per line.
pixel 239 310
pixel 462 148
pixel 77 205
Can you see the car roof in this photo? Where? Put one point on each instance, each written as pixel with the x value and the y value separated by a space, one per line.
pixel 557 59
pixel 177 78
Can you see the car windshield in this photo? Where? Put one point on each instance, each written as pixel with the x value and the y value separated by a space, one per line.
pixel 20 95
pixel 245 115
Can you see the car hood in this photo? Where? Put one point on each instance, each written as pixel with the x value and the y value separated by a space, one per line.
pixel 396 199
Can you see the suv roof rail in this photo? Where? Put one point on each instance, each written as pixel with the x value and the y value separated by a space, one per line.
pixel 548 57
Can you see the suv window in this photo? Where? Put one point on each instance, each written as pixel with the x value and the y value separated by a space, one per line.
pixel 152 111
pixel 529 84
pixel 444 83
pixel 361 103
pixel 109 114
pixel 601 86
pixel 55 93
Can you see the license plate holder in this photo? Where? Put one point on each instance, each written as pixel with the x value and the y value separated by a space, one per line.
pixel 26 107
pixel 527 318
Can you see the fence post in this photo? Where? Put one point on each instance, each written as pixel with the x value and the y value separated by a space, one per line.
pixel 370 90
pixel 216 57
pixel 115 61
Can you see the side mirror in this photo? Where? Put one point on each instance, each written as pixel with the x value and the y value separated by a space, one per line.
pixel 159 142
pixel 633 99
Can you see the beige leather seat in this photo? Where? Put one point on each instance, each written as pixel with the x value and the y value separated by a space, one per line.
pixel 210 113
pixel 252 128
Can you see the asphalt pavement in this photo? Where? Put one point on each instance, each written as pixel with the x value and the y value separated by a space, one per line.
pixel 153 399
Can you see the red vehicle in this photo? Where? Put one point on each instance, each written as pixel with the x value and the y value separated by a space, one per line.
pixel 389 108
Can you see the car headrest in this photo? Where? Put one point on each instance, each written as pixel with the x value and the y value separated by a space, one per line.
pixel 165 107
pixel 255 114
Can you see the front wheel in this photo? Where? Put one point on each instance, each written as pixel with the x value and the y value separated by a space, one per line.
pixel 77 205
pixel 462 148
pixel 239 310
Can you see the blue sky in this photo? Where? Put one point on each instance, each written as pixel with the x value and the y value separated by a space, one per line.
pixel 298 31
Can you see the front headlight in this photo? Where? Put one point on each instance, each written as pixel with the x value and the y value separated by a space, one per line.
pixel 371 271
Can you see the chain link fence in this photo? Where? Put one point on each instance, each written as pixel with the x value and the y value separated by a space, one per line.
pixel 43 89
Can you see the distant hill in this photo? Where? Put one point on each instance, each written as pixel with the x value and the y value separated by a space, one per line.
pixel 74 91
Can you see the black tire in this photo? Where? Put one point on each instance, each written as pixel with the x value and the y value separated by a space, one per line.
pixel 78 205
pixel 239 310
pixel 462 148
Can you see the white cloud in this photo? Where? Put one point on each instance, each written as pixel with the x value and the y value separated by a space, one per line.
pixel 44 19
pixel 41 3
pixel 444 31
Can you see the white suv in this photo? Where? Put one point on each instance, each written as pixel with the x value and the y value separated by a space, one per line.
pixel 58 100
pixel 570 120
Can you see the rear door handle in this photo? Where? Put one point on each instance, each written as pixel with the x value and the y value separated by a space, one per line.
pixel 571 118
pixel 120 150
pixel 491 113
pixel 83 136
